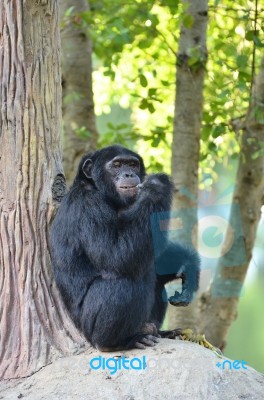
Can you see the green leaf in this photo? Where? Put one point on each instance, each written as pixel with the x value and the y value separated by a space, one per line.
pixel 152 92
pixel 242 61
pixel 212 146
pixel 165 83
pixel 250 35
pixel 147 138
pixel 258 42
pixel 110 73
pixel 143 80
pixel 144 104
pixel 203 156
pixel 206 131
pixel 244 76
pixel 151 108
pixel 83 132
pixel 254 36
pixel 155 142
pixel 218 130
pixel 110 125
pixel 86 17
pixel 144 43
pixel 230 50
pixel 69 11
pixel 172 4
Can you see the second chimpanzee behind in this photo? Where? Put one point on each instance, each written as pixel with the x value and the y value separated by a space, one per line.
pixel 103 255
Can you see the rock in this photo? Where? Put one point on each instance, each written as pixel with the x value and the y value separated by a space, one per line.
pixel 174 370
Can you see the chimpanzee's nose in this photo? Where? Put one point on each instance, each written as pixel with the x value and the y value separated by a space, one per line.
pixel 128 174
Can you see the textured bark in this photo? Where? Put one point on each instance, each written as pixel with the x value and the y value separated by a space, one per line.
pixel 189 105
pixel 78 104
pixel 34 328
pixel 218 313
pixel 187 126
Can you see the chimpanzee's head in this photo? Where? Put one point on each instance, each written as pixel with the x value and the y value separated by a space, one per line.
pixel 115 171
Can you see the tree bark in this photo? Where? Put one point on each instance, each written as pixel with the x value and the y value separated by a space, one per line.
pixel 218 313
pixel 190 72
pixel 78 105
pixel 34 328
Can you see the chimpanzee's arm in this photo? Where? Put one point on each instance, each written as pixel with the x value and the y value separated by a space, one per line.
pixel 125 245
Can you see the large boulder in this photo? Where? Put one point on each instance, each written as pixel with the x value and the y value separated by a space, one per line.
pixel 172 370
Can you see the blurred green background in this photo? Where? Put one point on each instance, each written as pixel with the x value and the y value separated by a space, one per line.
pixel 246 336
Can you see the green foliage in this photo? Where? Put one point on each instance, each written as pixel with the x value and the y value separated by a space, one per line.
pixel 135 46
pixel 114 25
pixel 72 97
pixel 83 132
pixel 120 133
pixel 245 338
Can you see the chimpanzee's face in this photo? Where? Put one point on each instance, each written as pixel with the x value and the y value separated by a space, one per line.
pixel 124 171
pixel 114 171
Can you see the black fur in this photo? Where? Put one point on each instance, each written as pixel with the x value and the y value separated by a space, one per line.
pixel 103 256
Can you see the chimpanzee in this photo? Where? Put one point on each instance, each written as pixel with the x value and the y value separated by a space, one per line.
pixel 102 251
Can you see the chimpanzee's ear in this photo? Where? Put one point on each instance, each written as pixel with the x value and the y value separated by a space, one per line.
pixel 87 168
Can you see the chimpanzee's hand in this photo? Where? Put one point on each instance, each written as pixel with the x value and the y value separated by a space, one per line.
pixel 156 187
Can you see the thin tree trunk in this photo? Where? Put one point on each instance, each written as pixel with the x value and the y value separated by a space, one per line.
pixel 191 60
pixel 78 105
pixel 189 105
pixel 34 329
pixel 218 313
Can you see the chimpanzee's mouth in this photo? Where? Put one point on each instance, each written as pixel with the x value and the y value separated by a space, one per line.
pixel 127 187
pixel 128 190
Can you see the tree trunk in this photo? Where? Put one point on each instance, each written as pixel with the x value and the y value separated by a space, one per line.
pixel 191 60
pixel 80 132
pixel 218 313
pixel 34 328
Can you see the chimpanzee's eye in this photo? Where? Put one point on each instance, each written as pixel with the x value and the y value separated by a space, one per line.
pixel 117 164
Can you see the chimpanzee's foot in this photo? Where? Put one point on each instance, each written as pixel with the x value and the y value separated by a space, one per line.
pixel 141 341
pixel 148 336
pixel 146 340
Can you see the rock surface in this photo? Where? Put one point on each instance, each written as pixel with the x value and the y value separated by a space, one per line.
pixel 175 370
